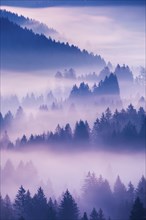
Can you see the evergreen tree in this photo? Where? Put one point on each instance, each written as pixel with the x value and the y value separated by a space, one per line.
pixel 8 119
pixel 129 132
pixel 52 212
pixel 40 207
pixel 94 215
pixel 119 195
pixel 19 203
pixel 68 133
pixel 90 189
pixel 2 208
pixel 82 132
pixel 141 190
pixel 100 215
pixel 130 193
pixel 119 190
pixel 137 212
pixel 8 208
pixel 28 206
pixel 85 217
pixel 68 209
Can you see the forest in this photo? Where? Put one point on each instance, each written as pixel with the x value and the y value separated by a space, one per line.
pixel 121 130
pixel 97 202
pixel 73 110
pixel 16 42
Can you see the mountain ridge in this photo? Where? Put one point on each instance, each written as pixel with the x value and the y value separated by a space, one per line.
pixel 23 49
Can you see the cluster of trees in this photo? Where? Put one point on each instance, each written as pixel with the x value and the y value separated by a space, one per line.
pixel 117 202
pixel 109 86
pixel 122 203
pixel 125 128
pixel 38 207
pixel 106 92
pixel 67 74
pixel 124 73
pixel 28 101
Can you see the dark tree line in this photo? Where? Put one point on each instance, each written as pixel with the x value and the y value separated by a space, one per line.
pixel 18 46
pixel 122 203
pixel 108 86
pixel 125 128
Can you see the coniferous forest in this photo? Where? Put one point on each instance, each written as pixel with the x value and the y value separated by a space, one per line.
pixel 121 203
pixel 72 110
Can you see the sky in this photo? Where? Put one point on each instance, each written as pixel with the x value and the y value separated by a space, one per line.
pixel 117 33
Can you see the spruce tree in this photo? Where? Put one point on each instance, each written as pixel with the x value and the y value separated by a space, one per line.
pixel 137 212
pixel 68 209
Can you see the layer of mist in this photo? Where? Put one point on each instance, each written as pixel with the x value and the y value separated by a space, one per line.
pixel 63 170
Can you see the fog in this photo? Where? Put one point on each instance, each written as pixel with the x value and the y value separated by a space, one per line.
pixel 59 122
pixel 116 33
pixel 66 170
pixel 37 121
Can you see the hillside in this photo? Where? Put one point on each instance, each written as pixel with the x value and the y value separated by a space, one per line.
pixel 22 49
pixel 31 24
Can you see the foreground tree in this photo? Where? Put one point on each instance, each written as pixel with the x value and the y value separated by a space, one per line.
pixel 101 215
pixel 68 209
pixel 85 217
pixel 94 215
pixel 19 203
pixel 137 212
pixel 40 207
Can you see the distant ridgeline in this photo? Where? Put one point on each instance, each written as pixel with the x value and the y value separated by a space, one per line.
pixel 21 49
pixel 35 26
pixel 107 92
pixel 123 73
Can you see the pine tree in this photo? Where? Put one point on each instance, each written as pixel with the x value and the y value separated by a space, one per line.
pixel 8 208
pixel 2 208
pixel 130 193
pixel 82 132
pixel 100 215
pixel 19 203
pixel 119 190
pixel 28 206
pixel 141 190
pixel 40 207
pixel 94 215
pixel 85 217
pixel 137 212
pixel 52 212
pixel 68 209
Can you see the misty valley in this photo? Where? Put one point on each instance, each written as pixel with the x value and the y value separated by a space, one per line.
pixel 72 121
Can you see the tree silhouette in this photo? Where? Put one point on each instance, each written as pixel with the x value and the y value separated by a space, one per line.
pixel 137 212
pixel 19 203
pixel 40 207
pixel 100 215
pixel 94 215
pixel 68 209
pixel 85 217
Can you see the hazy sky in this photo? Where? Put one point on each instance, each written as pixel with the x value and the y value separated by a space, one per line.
pixel 116 33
